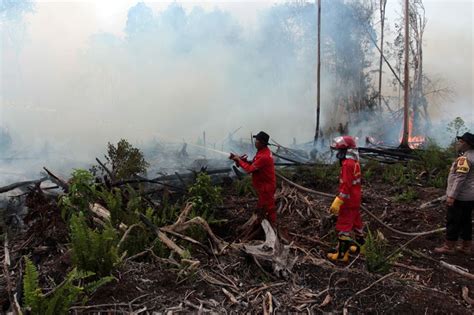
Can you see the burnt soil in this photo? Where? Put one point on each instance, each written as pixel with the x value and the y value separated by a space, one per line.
pixel 148 284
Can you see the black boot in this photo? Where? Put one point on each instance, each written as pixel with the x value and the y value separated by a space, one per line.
pixel 342 250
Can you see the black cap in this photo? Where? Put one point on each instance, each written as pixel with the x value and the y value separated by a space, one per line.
pixel 467 137
pixel 262 137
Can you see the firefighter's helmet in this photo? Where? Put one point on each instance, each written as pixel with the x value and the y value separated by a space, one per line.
pixel 343 142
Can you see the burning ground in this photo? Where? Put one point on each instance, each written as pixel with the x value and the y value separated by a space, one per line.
pixel 167 259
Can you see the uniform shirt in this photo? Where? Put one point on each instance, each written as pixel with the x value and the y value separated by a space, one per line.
pixel 262 168
pixel 461 178
pixel 350 183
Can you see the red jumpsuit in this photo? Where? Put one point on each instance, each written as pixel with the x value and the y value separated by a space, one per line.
pixel 350 192
pixel 262 169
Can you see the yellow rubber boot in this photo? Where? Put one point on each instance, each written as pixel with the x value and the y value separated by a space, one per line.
pixel 342 251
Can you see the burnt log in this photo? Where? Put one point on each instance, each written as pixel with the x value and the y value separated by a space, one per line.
pixel 58 181
pixel 21 184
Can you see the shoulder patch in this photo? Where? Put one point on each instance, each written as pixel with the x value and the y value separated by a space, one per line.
pixel 462 165
pixel 357 172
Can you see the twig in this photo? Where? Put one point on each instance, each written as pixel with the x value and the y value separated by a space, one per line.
pixel 396 251
pixel 310 239
pixel 414 268
pixel 254 291
pixel 127 232
pixel 58 181
pixel 106 169
pixel 231 297
pixel 181 180
pixel 267 304
pixel 322 194
pixel 465 296
pixel 89 307
pixel 189 239
pixel 447 266
pixel 210 279
pixel 345 312
pixel 6 274
pixel 457 270
pixel 163 238
pixel 355 259
pixel 199 308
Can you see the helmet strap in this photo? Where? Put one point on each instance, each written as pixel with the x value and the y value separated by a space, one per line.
pixel 341 154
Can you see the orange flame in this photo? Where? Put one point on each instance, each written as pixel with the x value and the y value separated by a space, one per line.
pixel 414 142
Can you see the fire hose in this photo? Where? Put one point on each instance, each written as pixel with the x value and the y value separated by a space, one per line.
pixel 326 195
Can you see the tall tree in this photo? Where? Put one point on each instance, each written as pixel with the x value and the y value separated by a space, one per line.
pixel 382 6
pixel 406 125
pixel 318 92
pixel 417 20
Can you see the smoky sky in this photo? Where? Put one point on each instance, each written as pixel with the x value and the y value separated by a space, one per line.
pixel 175 72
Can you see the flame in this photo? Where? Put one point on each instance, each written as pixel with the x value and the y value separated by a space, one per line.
pixel 414 142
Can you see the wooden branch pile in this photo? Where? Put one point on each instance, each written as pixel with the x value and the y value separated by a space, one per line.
pixel 388 155
pixel 290 201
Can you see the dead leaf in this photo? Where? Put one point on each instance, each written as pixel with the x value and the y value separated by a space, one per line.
pixel 326 301
pixel 465 296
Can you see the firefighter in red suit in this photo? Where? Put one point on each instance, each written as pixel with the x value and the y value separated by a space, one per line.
pixel 346 205
pixel 262 169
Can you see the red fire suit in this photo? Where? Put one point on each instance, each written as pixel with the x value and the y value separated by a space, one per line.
pixel 350 192
pixel 262 169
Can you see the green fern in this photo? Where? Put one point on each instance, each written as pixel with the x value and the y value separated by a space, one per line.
pixel 82 192
pixel 93 250
pixel 244 187
pixel 377 251
pixel 33 297
pixel 60 300
pixel 204 197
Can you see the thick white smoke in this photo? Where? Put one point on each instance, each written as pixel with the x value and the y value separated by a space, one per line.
pixel 67 88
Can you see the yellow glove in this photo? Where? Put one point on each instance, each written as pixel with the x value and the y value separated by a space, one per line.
pixel 336 206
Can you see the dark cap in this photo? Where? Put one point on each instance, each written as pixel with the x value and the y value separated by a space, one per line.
pixel 467 137
pixel 262 137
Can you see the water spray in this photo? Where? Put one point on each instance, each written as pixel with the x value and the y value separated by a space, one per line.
pixel 227 154
pixel 210 149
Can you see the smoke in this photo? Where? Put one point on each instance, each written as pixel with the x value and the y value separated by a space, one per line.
pixel 170 75
pixel 174 74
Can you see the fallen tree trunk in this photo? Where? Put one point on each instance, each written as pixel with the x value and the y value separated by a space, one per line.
pixel 145 180
pixel 21 184
pixel 191 175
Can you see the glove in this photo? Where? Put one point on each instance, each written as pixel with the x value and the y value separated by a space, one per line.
pixel 234 157
pixel 244 157
pixel 336 206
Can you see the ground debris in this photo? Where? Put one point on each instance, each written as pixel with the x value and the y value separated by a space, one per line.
pixel 283 269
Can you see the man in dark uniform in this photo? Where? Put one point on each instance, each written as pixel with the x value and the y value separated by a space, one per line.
pixel 460 199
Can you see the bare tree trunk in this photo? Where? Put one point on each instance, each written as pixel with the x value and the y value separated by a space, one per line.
pixel 318 87
pixel 418 99
pixel 383 4
pixel 404 143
